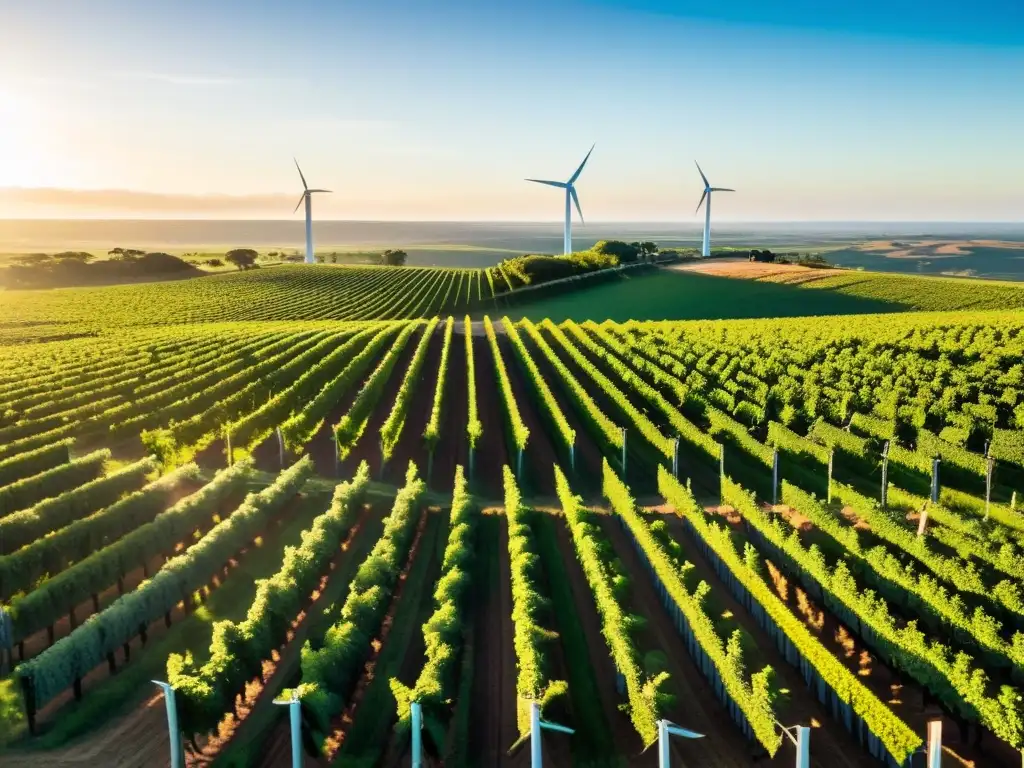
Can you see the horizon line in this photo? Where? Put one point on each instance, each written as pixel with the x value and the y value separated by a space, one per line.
pixel 546 222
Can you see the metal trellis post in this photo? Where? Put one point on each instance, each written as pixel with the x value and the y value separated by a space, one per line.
pixel 173 732
pixel 885 473
pixel 295 721
pixel 665 730
pixel 536 726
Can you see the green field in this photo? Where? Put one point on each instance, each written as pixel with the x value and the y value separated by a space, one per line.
pixel 667 295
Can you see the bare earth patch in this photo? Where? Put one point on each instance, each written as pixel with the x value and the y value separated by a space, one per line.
pixel 739 267
pixel 932 249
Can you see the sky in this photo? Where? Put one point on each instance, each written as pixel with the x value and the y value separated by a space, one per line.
pixel 855 110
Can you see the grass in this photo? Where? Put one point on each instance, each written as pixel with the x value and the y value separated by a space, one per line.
pixel 668 295
pixel 117 695
pixel 921 293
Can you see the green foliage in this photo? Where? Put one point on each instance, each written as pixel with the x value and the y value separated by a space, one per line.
pixel 27 491
pixel 350 428
pixel 443 633
pixel 540 387
pixel 33 462
pixel 531 639
pixel 520 432
pixel 75 655
pixel 616 623
pixel 23 528
pixel 330 672
pixel 955 681
pixel 432 432
pixel 239 649
pixel 725 656
pixel 897 737
pixel 474 427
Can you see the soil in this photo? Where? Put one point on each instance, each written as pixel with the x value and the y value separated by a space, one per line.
pixel 410 445
pixel 540 454
pixel 493 727
pixel 492 447
pixel 588 455
pixel 367 447
pixel 625 736
pixel 452 447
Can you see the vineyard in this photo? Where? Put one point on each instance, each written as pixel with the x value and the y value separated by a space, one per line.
pixel 732 525
pixel 271 293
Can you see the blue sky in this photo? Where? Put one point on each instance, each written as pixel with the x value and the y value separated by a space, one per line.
pixel 408 110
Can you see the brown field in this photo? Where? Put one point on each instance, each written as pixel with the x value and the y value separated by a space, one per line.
pixel 935 249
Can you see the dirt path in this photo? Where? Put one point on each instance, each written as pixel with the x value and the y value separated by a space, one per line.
pixel 492 447
pixel 368 445
pixel 541 455
pixel 452 447
pixel 625 736
pixel 588 455
pixel 493 727
pixel 410 445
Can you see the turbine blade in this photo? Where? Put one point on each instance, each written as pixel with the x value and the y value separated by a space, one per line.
pixel 301 200
pixel 705 178
pixel 572 191
pixel 304 184
pixel 580 169
pixel 701 200
pixel 722 189
pixel 559 184
pixel 311 191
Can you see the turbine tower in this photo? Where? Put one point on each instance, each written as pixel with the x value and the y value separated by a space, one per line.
pixel 570 198
pixel 708 189
pixel 307 198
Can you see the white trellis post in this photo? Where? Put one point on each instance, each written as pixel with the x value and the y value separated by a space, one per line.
pixel 519 465
pixel 989 467
pixel 665 730
pixel 227 439
pixel 831 457
pixel 885 473
pixel 172 724
pixel 935 744
pixel 280 446
pixel 295 721
pixel 800 735
pixel 380 474
pixel 417 735
pixel 337 454
pixel 572 454
pixel 935 480
pixel 536 726
pixel 623 452
pixel 675 458
pixel 472 453
pixel 775 476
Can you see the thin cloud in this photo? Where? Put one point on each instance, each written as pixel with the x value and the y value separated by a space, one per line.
pixel 57 200
pixel 202 80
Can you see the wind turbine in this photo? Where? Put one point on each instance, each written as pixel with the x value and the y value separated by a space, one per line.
pixel 570 198
pixel 708 189
pixel 307 198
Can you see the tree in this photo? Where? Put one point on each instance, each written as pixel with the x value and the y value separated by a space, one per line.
pixel 394 258
pixel 623 251
pixel 243 258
